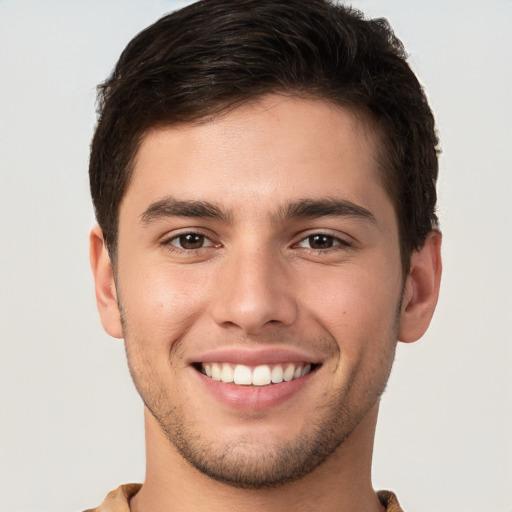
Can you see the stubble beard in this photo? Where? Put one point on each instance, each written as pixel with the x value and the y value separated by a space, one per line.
pixel 244 464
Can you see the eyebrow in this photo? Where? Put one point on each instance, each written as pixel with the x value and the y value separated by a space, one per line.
pixel 329 207
pixel 171 207
pixel 301 209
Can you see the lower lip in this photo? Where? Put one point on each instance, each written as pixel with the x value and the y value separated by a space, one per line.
pixel 254 398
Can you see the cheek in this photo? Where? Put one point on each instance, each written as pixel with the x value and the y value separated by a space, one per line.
pixel 357 306
pixel 160 304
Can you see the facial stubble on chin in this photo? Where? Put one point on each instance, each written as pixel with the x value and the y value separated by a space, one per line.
pixel 243 464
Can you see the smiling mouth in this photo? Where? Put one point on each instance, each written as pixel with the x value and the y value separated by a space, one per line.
pixel 261 375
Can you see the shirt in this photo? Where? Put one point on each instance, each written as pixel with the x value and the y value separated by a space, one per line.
pixel 119 500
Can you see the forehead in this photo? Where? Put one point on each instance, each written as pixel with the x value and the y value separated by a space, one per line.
pixel 259 156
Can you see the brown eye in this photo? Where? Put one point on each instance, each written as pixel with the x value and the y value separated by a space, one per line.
pixel 320 241
pixel 189 241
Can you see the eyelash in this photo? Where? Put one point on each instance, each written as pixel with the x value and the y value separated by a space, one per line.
pixel 337 243
pixel 179 239
pixel 176 242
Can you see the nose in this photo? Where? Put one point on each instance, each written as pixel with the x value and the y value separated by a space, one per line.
pixel 254 289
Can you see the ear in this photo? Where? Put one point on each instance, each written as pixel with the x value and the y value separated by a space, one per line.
pixel 106 294
pixel 421 289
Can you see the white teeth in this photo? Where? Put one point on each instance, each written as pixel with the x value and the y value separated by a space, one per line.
pixel 216 371
pixel 277 374
pixel 261 375
pixel 242 375
pixel 227 373
pixel 289 373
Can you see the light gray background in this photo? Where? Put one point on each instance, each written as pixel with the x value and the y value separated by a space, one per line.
pixel 70 420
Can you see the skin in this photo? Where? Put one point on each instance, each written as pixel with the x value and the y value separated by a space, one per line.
pixel 262 275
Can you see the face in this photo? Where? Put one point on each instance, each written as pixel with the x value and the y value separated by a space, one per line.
pixel 260 285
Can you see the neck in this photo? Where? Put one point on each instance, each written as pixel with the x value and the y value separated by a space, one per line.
pixel 341 483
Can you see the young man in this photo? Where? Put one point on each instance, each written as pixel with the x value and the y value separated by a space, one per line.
pixel 263 174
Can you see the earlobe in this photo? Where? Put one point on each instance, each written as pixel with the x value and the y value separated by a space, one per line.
pixel 105 287
pixel 421 289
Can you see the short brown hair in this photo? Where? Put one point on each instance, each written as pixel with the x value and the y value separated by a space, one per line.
pixel 216 54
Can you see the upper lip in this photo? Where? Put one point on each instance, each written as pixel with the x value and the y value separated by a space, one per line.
pixel 254 356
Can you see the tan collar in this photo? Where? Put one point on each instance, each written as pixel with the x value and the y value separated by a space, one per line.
pixel 119 500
